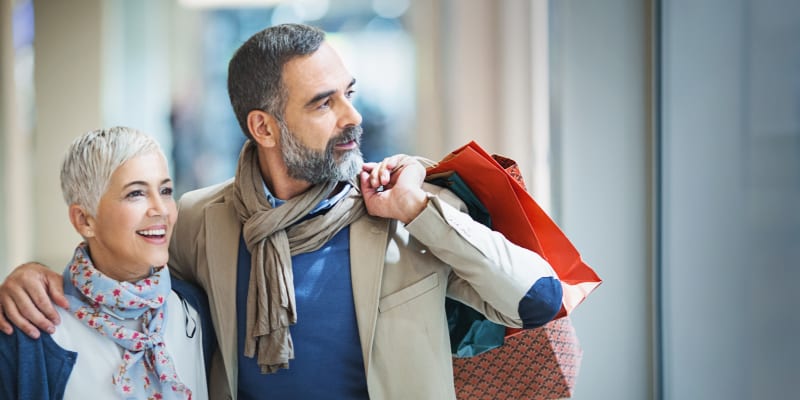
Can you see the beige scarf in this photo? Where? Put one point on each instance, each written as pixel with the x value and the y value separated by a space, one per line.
pixel 273 237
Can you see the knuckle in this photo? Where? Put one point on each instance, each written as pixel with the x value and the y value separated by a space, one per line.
pixel 40 299
pixel 26 310
pixel 18 320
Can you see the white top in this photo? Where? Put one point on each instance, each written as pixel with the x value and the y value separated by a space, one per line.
pixel 99 357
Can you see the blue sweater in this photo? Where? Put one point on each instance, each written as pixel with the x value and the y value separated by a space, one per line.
pixel 328 362
pixel 39 368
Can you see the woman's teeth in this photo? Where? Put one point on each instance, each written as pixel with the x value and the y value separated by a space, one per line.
pixel 153 232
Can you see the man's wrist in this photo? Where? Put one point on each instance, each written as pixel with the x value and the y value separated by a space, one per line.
pixel 419 204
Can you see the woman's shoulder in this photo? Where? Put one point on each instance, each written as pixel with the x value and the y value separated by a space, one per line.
pixel 33 368
pixel 73 335
pixel 191 293
pixel 19 348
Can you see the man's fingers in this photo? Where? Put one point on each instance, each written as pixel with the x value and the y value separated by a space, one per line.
pixel 381 174
pixel 21 323
pixel 30 313
pixel 4 325
pixel 56 289
pixel 43 309
pixel 40 312
pixel 368 166
pixel 366 188
pixel 379 177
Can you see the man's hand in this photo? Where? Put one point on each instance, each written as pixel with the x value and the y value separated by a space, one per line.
pixel 26 299
pixel 392 188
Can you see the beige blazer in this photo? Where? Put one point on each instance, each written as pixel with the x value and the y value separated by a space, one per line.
pixel 400 277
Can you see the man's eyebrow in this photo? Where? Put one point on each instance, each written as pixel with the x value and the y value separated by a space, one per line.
pixel 327 93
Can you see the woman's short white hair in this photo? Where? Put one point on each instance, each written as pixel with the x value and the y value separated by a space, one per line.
pixel 94 156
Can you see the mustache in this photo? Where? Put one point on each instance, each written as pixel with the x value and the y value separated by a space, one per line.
pixel 351 133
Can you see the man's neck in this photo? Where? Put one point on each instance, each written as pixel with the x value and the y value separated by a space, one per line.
pixel 276 177
pixel 286 189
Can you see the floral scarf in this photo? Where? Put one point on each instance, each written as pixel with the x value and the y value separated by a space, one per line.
pixel 147 370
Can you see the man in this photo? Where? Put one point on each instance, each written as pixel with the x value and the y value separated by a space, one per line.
pixel 326 277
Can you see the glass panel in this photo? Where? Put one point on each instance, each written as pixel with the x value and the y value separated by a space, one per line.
pixel 731 176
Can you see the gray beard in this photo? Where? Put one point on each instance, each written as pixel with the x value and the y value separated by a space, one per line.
pixel 305 163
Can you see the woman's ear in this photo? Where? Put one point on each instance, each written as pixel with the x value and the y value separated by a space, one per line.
pixel 82 221
pixel 263 127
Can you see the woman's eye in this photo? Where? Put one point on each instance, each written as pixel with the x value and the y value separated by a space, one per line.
pixel 166 191
pixel 135 193
pixel 350 94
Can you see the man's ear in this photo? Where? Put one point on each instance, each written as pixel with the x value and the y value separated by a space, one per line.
pixel 82 221
pixel 263 127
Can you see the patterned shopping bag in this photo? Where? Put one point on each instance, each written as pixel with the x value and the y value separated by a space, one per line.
pixel 541 363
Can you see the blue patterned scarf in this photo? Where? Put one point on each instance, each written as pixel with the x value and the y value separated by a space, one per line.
pixel 147 370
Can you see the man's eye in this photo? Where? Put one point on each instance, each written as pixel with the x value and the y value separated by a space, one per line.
pixel 350 94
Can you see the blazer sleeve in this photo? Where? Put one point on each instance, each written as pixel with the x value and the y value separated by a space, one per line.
pixel 507 283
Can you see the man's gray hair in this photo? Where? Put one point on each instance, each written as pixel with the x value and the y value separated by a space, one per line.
pixel 94 156
pixel 256 69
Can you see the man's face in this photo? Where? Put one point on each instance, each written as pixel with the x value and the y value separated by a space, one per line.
pixel 315 166
pixel 321 136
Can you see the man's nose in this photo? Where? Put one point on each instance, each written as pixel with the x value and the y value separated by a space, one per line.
pixel 350 116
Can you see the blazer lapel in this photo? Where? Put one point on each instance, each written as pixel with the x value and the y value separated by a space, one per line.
pixel 222 244
pixel 368 238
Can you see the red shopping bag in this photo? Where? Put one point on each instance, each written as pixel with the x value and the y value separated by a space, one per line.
pixel 515 214
pixel 541 363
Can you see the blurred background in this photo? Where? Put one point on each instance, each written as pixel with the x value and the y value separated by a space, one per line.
pixel 663 136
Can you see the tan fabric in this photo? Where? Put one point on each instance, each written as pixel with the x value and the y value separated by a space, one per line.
pixel 273 236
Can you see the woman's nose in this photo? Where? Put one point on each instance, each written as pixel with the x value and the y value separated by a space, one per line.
pixel 157 207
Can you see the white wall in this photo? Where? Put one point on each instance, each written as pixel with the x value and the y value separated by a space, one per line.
pixel 16 163
pixel 86 77
pixel 475 82
pixel 68 103
pixel 6 113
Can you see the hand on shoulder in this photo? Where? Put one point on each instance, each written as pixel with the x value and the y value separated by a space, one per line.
pixel 26 299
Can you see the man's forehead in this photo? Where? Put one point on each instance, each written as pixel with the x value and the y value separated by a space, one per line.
pixel 321 70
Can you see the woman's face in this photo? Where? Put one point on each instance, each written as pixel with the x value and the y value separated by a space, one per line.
pixel 130 232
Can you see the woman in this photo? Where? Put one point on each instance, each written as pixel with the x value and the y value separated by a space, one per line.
pixel 127 333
